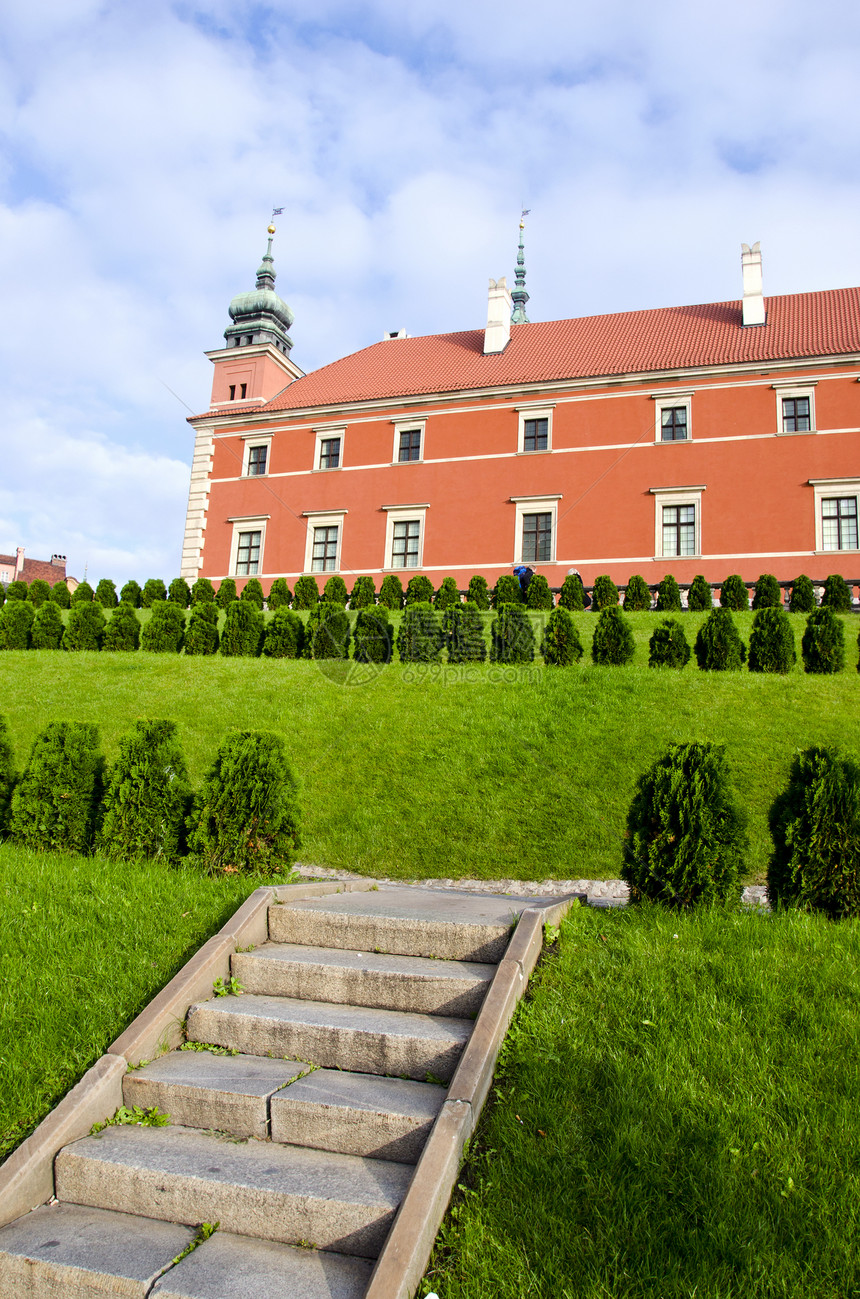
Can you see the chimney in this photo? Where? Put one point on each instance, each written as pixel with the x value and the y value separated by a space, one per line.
pixel 754 312
pixel 19 562
pixel 498 332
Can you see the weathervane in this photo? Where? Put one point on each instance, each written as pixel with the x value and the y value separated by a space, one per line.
pixel 276 211
pixel 519 296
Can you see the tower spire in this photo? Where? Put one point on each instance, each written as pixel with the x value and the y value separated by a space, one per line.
pixel 519 296
pixel 261 316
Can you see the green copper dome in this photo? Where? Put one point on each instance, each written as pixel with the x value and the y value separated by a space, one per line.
pixel 260 302
pixel 261 316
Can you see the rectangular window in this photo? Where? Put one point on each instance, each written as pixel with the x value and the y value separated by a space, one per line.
pixel 232 392
pixel 679 529
pixel 248 554
pixel 405 543
pixel 330 453
pixel 839 523
pixel 324 558
pixel 796 415
pixel 535 434
pixel 410 444
pixel 257 457
pixel 537 538
pixel 673 424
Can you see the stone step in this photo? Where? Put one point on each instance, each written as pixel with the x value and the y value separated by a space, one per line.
pixel 452 925
pixel 201 1090
pixel 69 1251
pixel 357 1114
pixel 334 1036
pixel 413 983
pixel 237 1267
pixel 254 1188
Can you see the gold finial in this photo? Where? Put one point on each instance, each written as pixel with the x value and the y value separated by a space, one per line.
pixel 271 230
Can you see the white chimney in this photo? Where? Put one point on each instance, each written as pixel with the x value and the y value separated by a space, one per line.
pixel 497 335
pixel 19 562
pixel 754 312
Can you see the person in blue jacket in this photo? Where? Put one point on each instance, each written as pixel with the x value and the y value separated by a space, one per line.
pixel 525 575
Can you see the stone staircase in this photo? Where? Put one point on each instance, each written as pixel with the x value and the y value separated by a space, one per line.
pixel 296 1125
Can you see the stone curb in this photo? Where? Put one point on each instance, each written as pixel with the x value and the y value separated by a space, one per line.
pixel 407 1248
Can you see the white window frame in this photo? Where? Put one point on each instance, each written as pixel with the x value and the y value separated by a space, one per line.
pixel 322 435
pixel 407 426
pixel 676 496
pixel 323 519
pixel 247 523
pixel 535 505
pixel 827 489
pixel 668 401
pixel 404 514
pixel 251 441
pixel 542 411
pixel 795 390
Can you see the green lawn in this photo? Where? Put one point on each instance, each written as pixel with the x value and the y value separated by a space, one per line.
pixel 675 1115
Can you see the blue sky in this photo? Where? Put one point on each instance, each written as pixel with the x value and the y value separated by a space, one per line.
pixel 143 147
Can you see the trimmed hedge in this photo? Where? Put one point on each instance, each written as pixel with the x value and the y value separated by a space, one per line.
pixel 572 595
pixel 284 635
pixel 836 594
pixel 637 595
pixel 335 592
pixel 815 826
pixel 147 796
pixel 242 633
pixel 179 592
pixel 61 595
pixel 201 636
pixel 463 627
pixel 420 637
pixel 307 593
pixel 734 594
pixel 612 644
pixel 226 593
pixel 391 592
pixel 719 647
pixel 202 592
pixel 802 598
pixel 668 596
pixel 686 839
pixel 122 633
pixel 55 803
pixel 668 647
pixel 246 817
pixel 448 594
pixel 512 636
pixel 699 598
pixel 17 590
pixel 47 630
pixel 373 636
pixel 506 591
pixel 823 644
pixel 8 774
pixel 768 593
pixel 252 593
pixel 560 644
pixel 605 594
pixel 16 623
pixel 363 593
pixel 419 590
pixel 327 632
pixel 130 594
pixel 772 641
pixel 106 594
pixel 165 631
pixel 280 594
pixel 39 591
pixel 82 594
pixel 153 589
pixel 479 592
pixel 85 628
pixel 538 594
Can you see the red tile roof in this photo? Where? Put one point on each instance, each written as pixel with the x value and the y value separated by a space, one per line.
pixel 631 342
pixel 34 568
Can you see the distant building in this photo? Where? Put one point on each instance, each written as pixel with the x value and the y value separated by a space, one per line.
pixel 18 568
pixel 704 439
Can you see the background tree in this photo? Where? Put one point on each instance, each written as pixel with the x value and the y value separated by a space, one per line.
pixel 512 636
pixel 560 645
pixel 479 592
pixel 419 590
pixel 718 646
pixel 153 589
pixel 668 647
pixel 420 637
pixel 164 633
pixel 447 596
pixel 637 595
pixel 16 624
pixel 280 594
pixel 612 643
pixel 307 593
pixel 823 644
pixel 768 593
pixel 242 634
pixel 226 592
pixel 327 632
pixel 734 594
pixel 252 592
pixel 605 595
pixel 82 594
pixel 572 595
pixel 802 598
pixel 122 633
pixel 106 594
pixel 284 635
pixel 538 594
pixel 39 591
pixel 668 596
pixel 391 592
pixel 179 593
pixel 373 638
pixel 201 637
pixel 47 629
pixel 363 593
pixel 85 628
pixel 463 628
pixel 61 595
pixel 17 590
pixel 836 594
pixel 699 598
pixel 202 592
pixel 131 594
pixel 772 641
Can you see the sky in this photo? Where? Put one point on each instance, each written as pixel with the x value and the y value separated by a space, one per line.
pixel 143 147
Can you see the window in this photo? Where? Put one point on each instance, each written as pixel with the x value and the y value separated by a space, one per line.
pixel 404 536
pixel 535 429
pixel 678 521
pixel 673 416
pixel 679 529
pixel 408 442
pixel 837 508
pixel 232 392
pixel 324 558
pixel 535 536
pixel 243 390
pixel 248 554
pixel 257 460
pixel 330 453
pixel 324 541
pixel 795 409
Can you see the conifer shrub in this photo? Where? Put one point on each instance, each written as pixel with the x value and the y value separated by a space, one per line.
pixel 802 598
pixel 147 796
pixel 16 590
pixel 16 624
pixel 734 594
pixel 463 628
pixel 131 594
pixel 165 631
pixel 85 628
pixel 39 591
pixel 334 591
pixel 55 803
pixel 815 827
pixel 373 637
pixel 767 594
pixel 772 641
pixel 605 595
pixel 572 594
pixel 420 637
pixel 2 594
pixel 226 592
pixel 307 593
pixel 823 644
pixel 246 817
pixel 686 837
pixel 668 596
pixel 327 633
pixel 506 591
pixel 363 593
pixel 252 592
pixel 668 647
pixel 538 594
pixel 61 595
pixel 280 594
pixel 153 589
pixel 448 594
pixel 202 592
pixel 699 598
pixel 201 636
pixel 718 646
pixel 637 595
pixel 512 636
pixel 613 643
pixel 836 594
pixel 82 594
pixel 560 644
pixel 105 594
pixel 179 592
pixel 122 633
pixel 284 635
pixel 242 633
pixel 8 775
pixel 47 630
pixel 391 592
pixel 478 592
pixel 419 590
